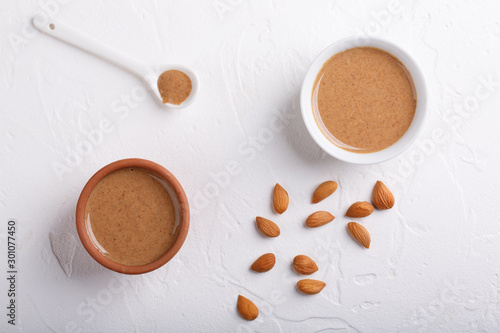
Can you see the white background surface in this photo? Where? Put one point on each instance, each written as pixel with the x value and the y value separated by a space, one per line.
pixel 433 264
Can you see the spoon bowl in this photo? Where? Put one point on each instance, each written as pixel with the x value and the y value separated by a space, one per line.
pixel 152 82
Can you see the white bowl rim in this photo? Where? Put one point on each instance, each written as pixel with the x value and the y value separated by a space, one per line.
pixel 420 113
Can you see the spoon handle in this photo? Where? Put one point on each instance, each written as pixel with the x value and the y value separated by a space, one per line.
pixel 70 35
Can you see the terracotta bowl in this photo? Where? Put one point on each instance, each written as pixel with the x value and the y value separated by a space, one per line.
pixel 184 219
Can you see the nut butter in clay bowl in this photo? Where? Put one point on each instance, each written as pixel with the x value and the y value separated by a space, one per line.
pixel 364 100
pixel 132 216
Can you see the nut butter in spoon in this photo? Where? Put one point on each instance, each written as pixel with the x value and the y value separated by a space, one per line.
pixel 174 86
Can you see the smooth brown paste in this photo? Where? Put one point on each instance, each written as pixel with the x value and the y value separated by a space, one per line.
pixel 365 99
pixel 131 217
pixel 174 86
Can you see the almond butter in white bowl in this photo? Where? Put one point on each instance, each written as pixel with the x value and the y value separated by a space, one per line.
pixel 364 100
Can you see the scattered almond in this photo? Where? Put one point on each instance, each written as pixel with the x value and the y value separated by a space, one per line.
pixel 318 219
pixel 264 263
pixel 247 309
pixel 280 199
pixel 304 265
pixel 382 197
pixel 310 287
pixel 359 233
pixel 324 190
pixel 267 227
pixel 359 209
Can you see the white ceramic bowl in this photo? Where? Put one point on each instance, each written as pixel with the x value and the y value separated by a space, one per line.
pixel 389 152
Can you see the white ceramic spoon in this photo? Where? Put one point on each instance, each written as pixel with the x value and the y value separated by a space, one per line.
pixel 66 33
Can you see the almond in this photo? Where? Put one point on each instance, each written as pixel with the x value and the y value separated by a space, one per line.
pixel 359 209
pixel 318 219
pixel 264 263
pixel 310 287
pixel 324 190
pixel 359 233
pixel 382 197
pixel 304 265
pixel 280 199
pixel 267 227
pixel 247 309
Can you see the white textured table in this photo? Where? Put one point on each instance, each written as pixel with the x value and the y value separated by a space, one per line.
pixel 433 265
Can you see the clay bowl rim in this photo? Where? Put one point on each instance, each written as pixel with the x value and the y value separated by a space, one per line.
pixel 176 187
